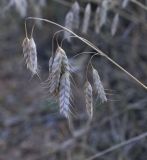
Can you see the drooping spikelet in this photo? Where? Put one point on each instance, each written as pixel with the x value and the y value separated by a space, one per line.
pixel 50 63
pixel 98 87
pixel 114 25
pixel 125 3
pixel 25 47
pixel 21 7
pixel 97 20
pixel 65 63
pixel 103 12
pixel 88 99
pixel 55 72
pixel 30 54
pixel 76 15
pixel 69 25
pixel 64 94
pixel 86 20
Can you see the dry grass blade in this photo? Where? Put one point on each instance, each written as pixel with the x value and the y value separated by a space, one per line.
pixel 88 99
pixel 69 25
pixel 98 86
pixel 64 94
pixel 76 13
pixel 114 25
pixel 30 54
pixel 86 20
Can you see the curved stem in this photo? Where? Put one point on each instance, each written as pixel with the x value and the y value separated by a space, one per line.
pixel 92 46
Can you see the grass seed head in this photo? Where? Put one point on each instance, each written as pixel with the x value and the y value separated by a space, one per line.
pixel 88 99
pixel 65 63
pixel 25 46
pixel 55 72
pixel 68 24
pixel 114 25
pixel 21 7
pixel 86 20
pixel 30 54
pixel 76 13
pixel 97 20
pixel 98 86
pixel 64 94
pixel 125 3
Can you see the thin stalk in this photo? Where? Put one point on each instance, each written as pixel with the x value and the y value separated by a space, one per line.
pixel 119 145
pixel 92 46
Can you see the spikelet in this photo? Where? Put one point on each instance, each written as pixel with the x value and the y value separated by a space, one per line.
pixel 30 54
pixel 86 20
pixel 88 99
pixel 114 25
pixel 42 3
pixel 76 13
pixel 55 72
pixel 65 63
pixel 21 7
pixel 25 47
pixel 125 3
pixel 97 20
pixel 99 89
pixel 64 94
pixel 69 25
pixel 103 12
pixel 50 64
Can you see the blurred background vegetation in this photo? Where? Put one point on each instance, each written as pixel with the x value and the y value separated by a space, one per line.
pixel 31 127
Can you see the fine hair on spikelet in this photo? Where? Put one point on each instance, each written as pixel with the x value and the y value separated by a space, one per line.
pixel 76 15
pixel 64 94
pixel 114 25
pixel 98 86
pixel 86 19
pixel 68 24
pixel 88 99
pixel 30 55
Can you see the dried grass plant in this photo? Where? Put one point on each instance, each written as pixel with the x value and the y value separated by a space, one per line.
pixel 59 82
